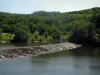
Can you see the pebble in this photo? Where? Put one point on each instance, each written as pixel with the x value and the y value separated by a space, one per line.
pixel 36 50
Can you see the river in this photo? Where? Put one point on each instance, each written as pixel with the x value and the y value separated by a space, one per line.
pixel 81 61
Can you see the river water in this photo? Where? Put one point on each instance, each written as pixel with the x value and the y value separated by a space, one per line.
pixel 81 61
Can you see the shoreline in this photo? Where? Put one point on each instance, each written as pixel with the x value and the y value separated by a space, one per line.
pixel 36 50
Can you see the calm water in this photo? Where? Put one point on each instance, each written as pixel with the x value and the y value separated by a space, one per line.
pixel 82 61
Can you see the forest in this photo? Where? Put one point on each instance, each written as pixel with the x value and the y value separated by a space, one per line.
pixel 81 27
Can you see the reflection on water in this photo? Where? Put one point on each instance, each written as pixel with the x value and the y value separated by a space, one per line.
pixel 14 45
pixel 10 46
pixel 87 51
pixel 81 61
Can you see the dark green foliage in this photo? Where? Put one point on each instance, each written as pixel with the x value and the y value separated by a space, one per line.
pixel 95 35
pixel 21 33
pixel 83 24
pixel 77 37
pixel 0 33
pixel 94 28
pixel 96 20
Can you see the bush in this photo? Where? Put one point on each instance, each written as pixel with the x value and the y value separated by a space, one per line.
pixel 66 37
pixel 7 37
pixel 95 35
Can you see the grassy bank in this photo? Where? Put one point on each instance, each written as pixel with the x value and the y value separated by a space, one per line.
pixel 6 37
pixel 36 37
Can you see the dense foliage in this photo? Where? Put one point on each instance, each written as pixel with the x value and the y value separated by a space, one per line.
pixel 83 24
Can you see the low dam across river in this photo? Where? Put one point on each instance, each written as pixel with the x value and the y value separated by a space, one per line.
pixel 36 50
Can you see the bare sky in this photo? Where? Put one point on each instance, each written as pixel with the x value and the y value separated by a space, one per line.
pixel 29 6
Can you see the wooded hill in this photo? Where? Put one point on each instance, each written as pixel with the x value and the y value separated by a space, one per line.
pixel 84 24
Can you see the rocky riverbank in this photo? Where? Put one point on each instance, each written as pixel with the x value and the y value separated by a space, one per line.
pixel 36 50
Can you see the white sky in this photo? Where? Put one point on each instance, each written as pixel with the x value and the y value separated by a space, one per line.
pixel 29 6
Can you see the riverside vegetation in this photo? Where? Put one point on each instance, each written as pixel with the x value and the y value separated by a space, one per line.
pixel 77 26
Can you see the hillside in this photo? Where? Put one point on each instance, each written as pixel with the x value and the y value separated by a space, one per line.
pixel 48 23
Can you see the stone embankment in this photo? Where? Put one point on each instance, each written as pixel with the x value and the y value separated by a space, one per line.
pixel 36 50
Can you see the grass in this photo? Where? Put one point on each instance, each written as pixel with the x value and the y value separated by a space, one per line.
pixel 66 37
pixel 6 37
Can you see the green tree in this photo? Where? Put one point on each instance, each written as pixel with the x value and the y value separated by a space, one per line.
pixel 0 34
pixel 21 33
pixel 95 35
pixel 96 20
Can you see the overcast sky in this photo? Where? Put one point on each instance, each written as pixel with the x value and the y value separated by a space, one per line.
pixel 29 6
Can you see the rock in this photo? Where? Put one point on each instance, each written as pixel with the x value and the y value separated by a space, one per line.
pixel 2 56
pixel 36 50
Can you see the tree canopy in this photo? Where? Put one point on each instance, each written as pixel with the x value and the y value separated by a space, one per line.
pixel 84 24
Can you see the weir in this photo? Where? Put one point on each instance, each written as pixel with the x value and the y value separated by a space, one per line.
pixel 36 50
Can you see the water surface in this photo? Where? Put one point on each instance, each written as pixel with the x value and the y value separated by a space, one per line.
pixel 81 61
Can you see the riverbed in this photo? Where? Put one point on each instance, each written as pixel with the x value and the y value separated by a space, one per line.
pixel 81 61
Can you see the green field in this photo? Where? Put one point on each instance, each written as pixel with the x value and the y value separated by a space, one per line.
pixel 6 37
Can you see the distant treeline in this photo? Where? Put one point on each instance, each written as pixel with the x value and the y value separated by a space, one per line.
pixel 84 24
